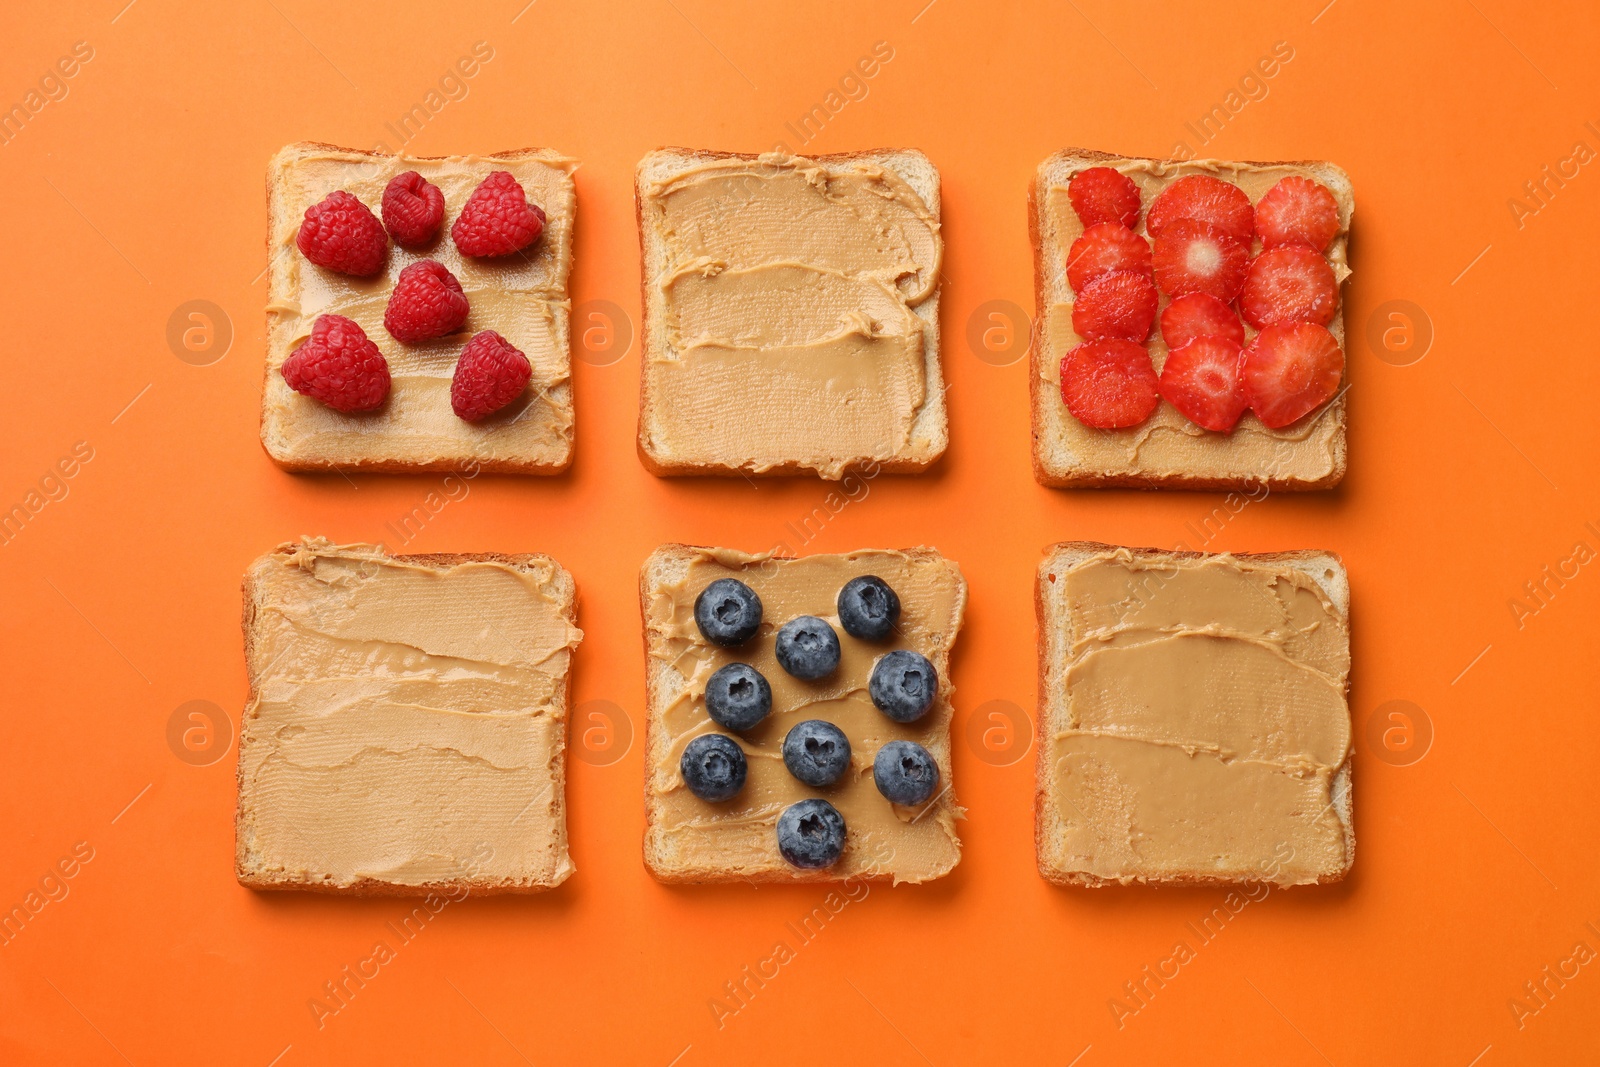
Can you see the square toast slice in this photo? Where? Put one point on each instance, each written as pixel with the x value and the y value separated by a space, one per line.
pixel 1193 718
pixel 1167 450
pixel 523 297
pixel 691 840
pixel 791 313
pixel 406 727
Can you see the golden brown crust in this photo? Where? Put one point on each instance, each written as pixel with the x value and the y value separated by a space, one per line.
pixel 369 887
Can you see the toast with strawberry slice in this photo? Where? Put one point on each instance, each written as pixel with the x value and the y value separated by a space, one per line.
pixel 1235 269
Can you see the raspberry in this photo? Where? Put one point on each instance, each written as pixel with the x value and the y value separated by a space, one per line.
pixel 413 209
pixel 1119 304
pixel 1109 384
pixel 1207 199
pixel 1289 371
pixel 341 233
pixel 1196 257
pixel 489 375
pixel 339 366
pixel 427 302
pixel 1101 194
pixel 1289 283
pixel 1201 380
pixel 1103 248
pixel 1297 211
pixel 497 219
pixel 1199 315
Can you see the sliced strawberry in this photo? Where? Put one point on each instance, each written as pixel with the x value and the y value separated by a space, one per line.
pixel 1120 304
pixel 1297 211
pixel 1201 380
pixel 1103 248
pixel 1199 315
pixel 1101 194
pixel 1109 384
pixel 1289 283
pixel 1289 371
pixel 1206 199
pixel 1195 257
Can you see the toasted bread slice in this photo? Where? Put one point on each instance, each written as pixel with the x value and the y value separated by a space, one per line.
pixel 1216 748
pixel 1168 451
pixel 681 427
pixel 523 297
pixel 690 840
pixel 406 726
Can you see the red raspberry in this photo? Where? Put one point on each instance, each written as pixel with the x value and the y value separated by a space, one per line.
pixel 489 375
pixel 1109 384
pixel 427 302
pixel 341 233
pixel 497 219
pixel 1208 199
pixel 1103 248
pixel 1101 194
pixel 1195 257
pixel 1297 211
pixel 413 209
pixel 339 366
pixel 1201 380
pixel 1289 371
pixel 1289 283
pixel 1199 315
pixel 1119 304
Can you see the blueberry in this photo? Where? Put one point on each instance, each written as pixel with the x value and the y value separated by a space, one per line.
pixel 728 612
pixel 868 608
pixel 811 833
pixel 713 767
pixel 904 772
pixel 738 697
pixel 816 752
pixel 808 648
pixel 903 685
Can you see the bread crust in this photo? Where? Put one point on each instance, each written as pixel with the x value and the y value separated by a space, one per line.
pixel 393 466
pixel 372 887
pixel 664 467
pixel 1057 876
pixel 1089 479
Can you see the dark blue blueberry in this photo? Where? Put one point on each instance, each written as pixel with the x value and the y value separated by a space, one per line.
pixel 738 697
pixel 816 752
pixel 811 833
pixel 868 608
pixel 713 767
pixel 728 612
pixel 808 648
pixel 903 685
pixel 905 773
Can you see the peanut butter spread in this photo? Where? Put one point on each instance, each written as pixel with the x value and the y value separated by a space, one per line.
pixel 1168 444
pixel 737 838
pixel 523 297
pixel 407 720
pixel 789 290
pixel 1205 730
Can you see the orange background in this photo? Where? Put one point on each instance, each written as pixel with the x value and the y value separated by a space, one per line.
pixel 1470 471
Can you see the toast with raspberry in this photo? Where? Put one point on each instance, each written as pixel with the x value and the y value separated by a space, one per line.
pixel 1244 256
pixel 457 254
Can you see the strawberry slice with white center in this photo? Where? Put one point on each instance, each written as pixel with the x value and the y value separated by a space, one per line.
pixel 1201 380
pixel 1297 211
pixel 1205 199
pixel 1109 384
pixel 1287 284
pixel 1289 371
pixel 1199 315
pixel 1196 257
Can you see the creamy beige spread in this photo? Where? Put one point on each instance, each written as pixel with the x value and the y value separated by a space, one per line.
pixel 1205 721
pixel 523 297
pixel 738 838
pixel 788 289
pixel 407 721
pixel 1167 443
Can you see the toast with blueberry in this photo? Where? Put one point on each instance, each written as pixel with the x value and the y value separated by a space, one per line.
pixel 798 723
pixel 1190 332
